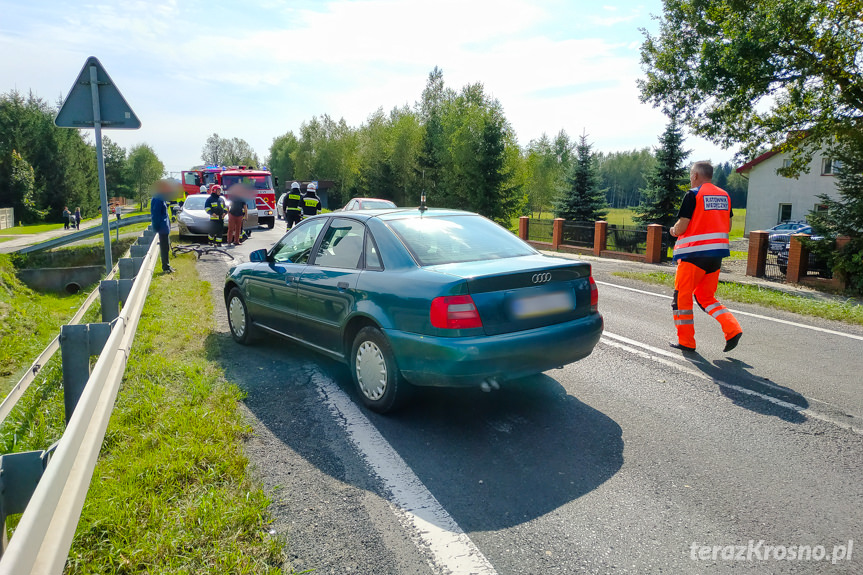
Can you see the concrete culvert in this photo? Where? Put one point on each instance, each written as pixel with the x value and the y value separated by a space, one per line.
pixel 72 288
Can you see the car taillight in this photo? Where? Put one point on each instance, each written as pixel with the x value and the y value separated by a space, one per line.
pixel 454 312
pixel 594 296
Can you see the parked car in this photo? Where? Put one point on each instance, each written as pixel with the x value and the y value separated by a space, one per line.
pixel 280 209
pixel 787 227
pixel 192 220
pixel 440 298
pixel 776 242
pixel 367 204
pixel 815 264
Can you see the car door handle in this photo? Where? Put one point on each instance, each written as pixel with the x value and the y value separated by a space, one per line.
pixel 342 286
pixel 290 280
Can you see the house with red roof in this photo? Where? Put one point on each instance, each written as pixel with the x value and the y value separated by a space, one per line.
pixel 773 199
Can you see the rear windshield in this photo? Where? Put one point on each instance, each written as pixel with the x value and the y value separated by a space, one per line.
pixel 377 204
pixel 453 239
pixel 196 202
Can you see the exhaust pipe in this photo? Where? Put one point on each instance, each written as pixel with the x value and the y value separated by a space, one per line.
pixel 488 384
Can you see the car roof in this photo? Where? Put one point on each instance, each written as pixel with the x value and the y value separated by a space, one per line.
pixel 400 213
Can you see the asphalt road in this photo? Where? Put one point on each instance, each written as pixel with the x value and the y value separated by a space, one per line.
pixel 616 464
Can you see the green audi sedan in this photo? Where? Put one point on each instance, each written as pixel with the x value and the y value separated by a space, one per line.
pixel 416 298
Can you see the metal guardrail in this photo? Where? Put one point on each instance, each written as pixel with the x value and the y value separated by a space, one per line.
pixel 81 235
pixel 42 540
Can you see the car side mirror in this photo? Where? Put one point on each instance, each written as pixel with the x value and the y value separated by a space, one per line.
pixel 258 256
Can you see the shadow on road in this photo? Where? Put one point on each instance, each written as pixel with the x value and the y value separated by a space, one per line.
pixel 493 460
pixel 738 373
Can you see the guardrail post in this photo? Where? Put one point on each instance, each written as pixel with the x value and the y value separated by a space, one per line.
pixel 523 227
pixel 77 343
pixel 19 475
pixel 109 293
pixel 75 354
pixel 136 266
pixel 127 268
pixel 138 251
pixel 125 288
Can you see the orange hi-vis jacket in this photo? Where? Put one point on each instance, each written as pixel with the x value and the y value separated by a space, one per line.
pixel 707 233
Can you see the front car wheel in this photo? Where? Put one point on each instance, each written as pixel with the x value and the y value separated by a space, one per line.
pixel 238 317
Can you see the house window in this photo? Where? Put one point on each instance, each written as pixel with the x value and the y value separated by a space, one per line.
pixel 784 213
pixel 820 208
pixel 829 166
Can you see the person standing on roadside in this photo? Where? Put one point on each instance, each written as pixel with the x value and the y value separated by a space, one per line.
pixel 236 216
pixel 292 205
pixel 311 202
pixel 77 218
pixel 215 206
pixel 702 228
pixel 66 216
pixel 161 221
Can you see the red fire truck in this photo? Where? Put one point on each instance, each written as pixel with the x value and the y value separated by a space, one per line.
pixel 260 180
pixel 192 180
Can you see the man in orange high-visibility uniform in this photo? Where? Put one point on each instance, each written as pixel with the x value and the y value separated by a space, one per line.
pixel 702 228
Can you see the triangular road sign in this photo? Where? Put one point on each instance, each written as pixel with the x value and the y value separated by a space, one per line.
pixel 77 110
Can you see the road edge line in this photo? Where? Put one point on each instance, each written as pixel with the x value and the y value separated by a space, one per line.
pixel 447 548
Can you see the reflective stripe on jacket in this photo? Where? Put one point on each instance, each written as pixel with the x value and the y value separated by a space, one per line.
pixel 311 206
pixel 216 207
pixel 292 201
pixel 707 233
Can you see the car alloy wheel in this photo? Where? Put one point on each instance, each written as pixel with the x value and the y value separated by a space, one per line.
pixel 371 370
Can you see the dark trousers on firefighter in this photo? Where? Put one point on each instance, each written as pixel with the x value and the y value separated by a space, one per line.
pixel 690 282
pixel 217 229
pixel 293 217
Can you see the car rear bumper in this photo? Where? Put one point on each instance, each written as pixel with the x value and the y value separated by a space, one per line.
pixel 466 361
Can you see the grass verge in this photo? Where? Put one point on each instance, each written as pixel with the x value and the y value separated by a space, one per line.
pixel 170 492
pixel 847 312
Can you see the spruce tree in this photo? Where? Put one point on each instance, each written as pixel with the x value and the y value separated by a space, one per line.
pixel 583 200
pixel 844 216
pixel 660 198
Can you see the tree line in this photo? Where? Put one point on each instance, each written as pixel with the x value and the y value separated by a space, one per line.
pixel 458 147
pixel 44 168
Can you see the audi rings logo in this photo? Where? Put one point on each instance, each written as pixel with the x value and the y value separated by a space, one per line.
pixel 541 278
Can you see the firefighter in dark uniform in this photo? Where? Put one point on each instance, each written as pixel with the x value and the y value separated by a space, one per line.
pixel 293 205
pixel 216 207
pixel 311 202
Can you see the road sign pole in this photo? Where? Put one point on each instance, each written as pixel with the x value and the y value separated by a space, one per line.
pixel 100 160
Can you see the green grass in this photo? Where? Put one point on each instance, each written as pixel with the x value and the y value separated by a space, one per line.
pixel 39 228
pixel 848 312
pixel 5 240
pixel 170 493
pixel 738 256
pixel 28 321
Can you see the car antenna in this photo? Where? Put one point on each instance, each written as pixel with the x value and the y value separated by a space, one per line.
pixel 423 206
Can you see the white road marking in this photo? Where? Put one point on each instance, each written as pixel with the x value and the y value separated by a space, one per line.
pixel 653 354
pixel 777 320
pixel 448 549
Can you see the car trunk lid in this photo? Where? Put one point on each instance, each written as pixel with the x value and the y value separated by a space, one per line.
pixel 516 294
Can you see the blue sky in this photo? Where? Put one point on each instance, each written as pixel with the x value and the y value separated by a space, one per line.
pixel 259 68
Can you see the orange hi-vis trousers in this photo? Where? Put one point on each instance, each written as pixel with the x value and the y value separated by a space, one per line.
pixel 692 281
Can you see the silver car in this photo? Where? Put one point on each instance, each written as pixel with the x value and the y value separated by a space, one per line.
pixel 194 221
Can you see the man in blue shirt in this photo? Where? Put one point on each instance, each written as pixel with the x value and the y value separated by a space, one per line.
pixel 161 221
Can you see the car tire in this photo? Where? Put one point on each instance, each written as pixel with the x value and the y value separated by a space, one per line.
pixel 271 224
pixel 239 319
pixel 373 367
pixel 783 270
